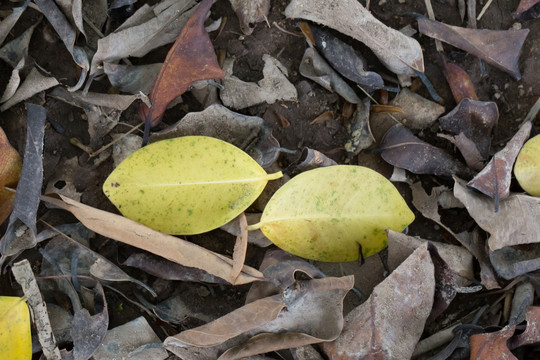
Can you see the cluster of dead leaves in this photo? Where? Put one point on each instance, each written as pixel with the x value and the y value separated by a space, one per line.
pixel 292 303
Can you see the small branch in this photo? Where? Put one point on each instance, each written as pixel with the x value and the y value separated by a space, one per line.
pixel 484 9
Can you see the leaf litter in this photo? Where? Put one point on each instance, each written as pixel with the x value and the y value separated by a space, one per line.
pixel 282 120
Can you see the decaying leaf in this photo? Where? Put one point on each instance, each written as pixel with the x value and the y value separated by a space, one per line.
pixel 191 58
pixel 514 224
pixel 21 231
pixel 360 136
pixel 334 213
pixel 17 49
pixel 500 48
pixel 492 346
pixel 34 83
pixel 389 324
pixel 9 21
pixel 347 61
pixel 308 313
pixel 130 232
pixel 186 185
pixel 248 133
pixel 459 81
pixel 398 52
pixel 475 119
pixel 132 340
pixel 15 334
pixel 10 168
pixel 250 12
pixel 132 79
pixel 531 335
pixel 402 149
pixel 527 168
pixel 238 94
pixel 314 67
pixel 468 149
pixel 494 180
pixel 149 28
pixel 417 112
pixel 511 262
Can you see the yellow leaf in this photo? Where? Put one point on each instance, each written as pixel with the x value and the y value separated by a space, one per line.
pixel 10 169
pixel 527 168
pixel 186 185
pixel 323 214
pixel 15 338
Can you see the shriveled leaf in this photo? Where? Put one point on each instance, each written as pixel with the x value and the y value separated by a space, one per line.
pixel 274 86
pixel 360 136
pixel 191 58
pixel 334 214
pixel 34 83
pixel 308 313
pixel 402 149
pixel 10 168
pixel 459 81
pixel 511 262
pixel 494 180
pixel 15 336
pixel 515 223
pixel 500 48
pixel 389 324
pixel 9 21
pixel 132 79
pixel 527 167
pixel 21 231
pixel 531 335
pixel 186 185
pixel 475 119
pixel 492 346
pixel 398 52
pixel 17 49
pixel 249 133
pixel 250 12
pixel 130 232
pixel 314 67
pixel 347 61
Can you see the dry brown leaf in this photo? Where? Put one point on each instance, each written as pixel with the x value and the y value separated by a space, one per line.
pixel 250 12
pixel 398 52
pixel 516 223
pixel 500 48
pixel 417 112
pixel 175 249
pixel 494 180
pixel 240 248
pixel 389 324
pixel 492 346
pixel 531 335
pixel 191 58
pixel 459 81
pixel 468 149
pixel 10 168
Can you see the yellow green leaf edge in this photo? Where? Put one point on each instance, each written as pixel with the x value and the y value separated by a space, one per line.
pixel 527 166
pixel 329 213
pixel 186 185
pixel 15 333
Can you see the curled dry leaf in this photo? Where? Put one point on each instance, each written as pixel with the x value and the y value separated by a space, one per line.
pixel 250 12
pixel 401 148
pixel 492 346
pixel 360 136
pixel 314 67
pixel 475 119
pixel 459 81
pixel 347 61
pixel 186 185
pixel 494 180
pixel 132 78
pixel 511 262
pixel 191 58
pixel 248 133
pixel 238 94
pixel 10 168
pixel 500 48
pixel 405 297
pixel 334 214
pixel 312 159
pixel 9 21
pixel 130 232
pixel 34 83
pixel 398 52
pixel 527 168
pixel 308 313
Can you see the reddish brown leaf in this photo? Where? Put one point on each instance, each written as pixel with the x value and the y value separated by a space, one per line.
pixel 498 48
pixel 191 58
pixel 531 335
pixel 10 168
pixel 459 81
pixel 492 346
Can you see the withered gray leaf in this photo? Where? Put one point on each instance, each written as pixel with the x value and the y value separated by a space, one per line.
pixel 132 78
pixel 511 262
pixel 475 119
pixel 9 21
pixel 402 149
pixel 250 12
pixel 17 49
pixel 34 83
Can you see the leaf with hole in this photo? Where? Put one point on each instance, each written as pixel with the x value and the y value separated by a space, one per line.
pixel 334 214
pixel 186 185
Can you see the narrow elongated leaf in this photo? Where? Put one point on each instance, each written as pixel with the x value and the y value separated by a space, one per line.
pixel 527 168
pixel 15 338
pixel 186 185
pixel 334 214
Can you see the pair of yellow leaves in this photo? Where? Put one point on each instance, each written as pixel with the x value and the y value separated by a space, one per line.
pixel 15 337
pixel 194 184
